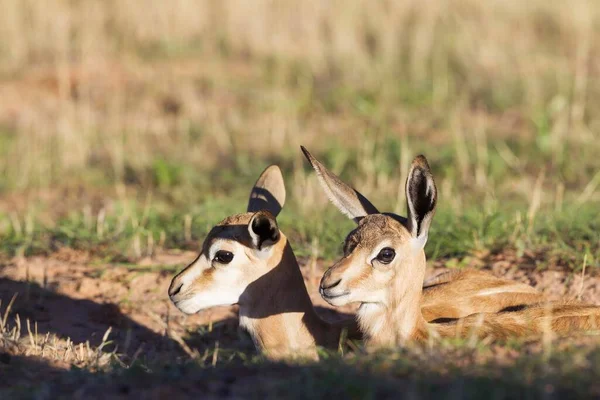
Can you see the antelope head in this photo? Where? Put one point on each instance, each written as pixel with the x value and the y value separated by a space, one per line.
pixel 383 257
pixel 236 252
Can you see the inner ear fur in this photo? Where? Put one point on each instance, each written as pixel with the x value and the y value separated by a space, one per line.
pixel 263 230
pixel 421 197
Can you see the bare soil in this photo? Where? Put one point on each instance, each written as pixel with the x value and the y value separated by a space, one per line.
pixel 73 296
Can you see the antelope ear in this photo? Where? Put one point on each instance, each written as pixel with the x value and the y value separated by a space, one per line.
pixel 349 201
pixel 421 198
pixel 263 230
pixel 268 192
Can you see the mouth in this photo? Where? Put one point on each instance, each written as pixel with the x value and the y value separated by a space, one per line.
pixel 332 296
pixel 177 299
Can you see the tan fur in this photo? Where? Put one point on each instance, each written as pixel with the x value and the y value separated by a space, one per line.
pixel 391 292
pixel 279 314
pixel 471 291
pixel 401 316
pixel 533 320
pixel 275 307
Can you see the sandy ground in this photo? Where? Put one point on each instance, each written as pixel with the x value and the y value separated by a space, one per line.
pixel 72 296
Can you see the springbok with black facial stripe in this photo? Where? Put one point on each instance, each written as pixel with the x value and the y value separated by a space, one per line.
pixel 383 269
pixel 247 260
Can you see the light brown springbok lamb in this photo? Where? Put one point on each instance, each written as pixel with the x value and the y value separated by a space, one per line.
pixel 247 260
pixel 470 290
pixel 383 269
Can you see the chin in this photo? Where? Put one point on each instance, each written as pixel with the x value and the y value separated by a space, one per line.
pixel 203 301
pixel 189 306
pixel 338 301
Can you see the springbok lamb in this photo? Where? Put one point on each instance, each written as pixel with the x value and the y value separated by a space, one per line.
pixel 247 260
pixel 471 291
pixel 383 269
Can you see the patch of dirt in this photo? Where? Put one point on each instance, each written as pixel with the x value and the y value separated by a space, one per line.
pixel 72 296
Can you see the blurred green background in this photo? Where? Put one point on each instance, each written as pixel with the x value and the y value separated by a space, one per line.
pixel 131 126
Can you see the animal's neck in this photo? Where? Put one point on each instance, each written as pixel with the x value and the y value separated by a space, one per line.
pixel 278 313
pixel 399 319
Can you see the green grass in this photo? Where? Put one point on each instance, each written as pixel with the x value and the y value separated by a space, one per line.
pixel 560 239
pixel 487 201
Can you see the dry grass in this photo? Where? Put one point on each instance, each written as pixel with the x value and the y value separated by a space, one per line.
pixel 25 340
pixel 96 84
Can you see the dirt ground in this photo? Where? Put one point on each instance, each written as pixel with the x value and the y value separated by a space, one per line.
pixel 72 296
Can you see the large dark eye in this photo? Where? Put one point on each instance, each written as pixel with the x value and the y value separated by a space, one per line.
pixel 386 255
pixel 223 257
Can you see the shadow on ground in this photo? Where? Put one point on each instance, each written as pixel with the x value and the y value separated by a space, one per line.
pixel 84 320
pixel 79 319
pixel 433 376
pixel 32 378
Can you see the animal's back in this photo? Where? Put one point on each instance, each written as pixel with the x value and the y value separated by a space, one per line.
pixel 531 320
pixel 457 294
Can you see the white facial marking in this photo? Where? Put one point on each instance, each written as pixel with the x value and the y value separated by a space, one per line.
pixel 222 244
pixel 226 283
pixel 226 291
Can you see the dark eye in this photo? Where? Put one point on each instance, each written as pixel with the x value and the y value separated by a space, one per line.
pixel 386 255
pixel 223 257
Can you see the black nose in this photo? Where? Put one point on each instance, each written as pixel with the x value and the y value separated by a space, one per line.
pixel 334 284
pixel 175 288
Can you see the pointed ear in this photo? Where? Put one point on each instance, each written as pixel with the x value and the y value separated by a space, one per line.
pixel 263 230
pixel 268 192
pixel 349 201
pixel 421 198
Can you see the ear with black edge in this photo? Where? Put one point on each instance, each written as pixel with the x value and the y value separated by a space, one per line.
pixel 348 200
pixel 268 192
pixel 263 230
pixel 421 198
